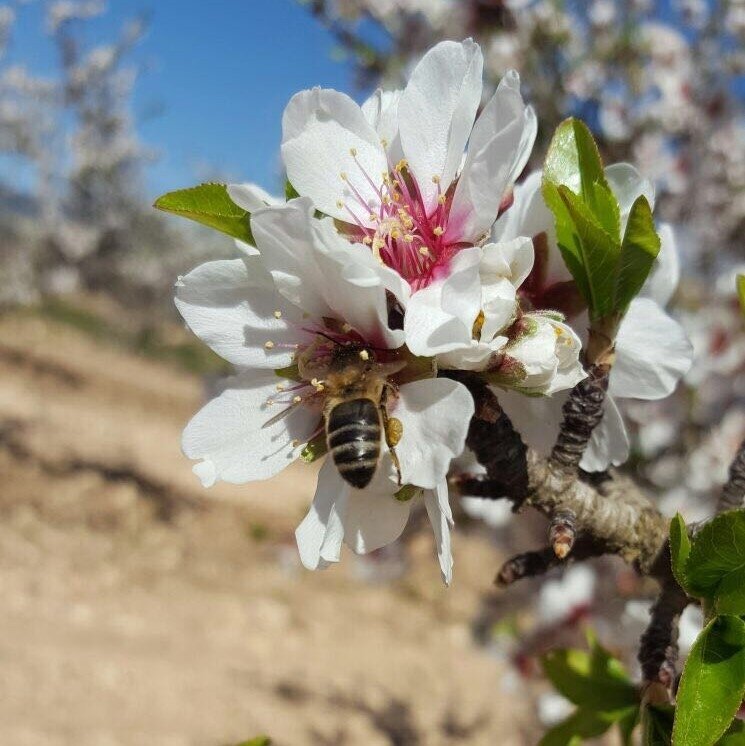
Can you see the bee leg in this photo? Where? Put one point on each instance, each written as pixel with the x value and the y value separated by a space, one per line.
pixel 393 430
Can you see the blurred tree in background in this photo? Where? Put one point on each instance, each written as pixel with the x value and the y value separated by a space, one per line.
pixel 81 222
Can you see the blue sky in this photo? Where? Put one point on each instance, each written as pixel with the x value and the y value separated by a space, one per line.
pixel 217 73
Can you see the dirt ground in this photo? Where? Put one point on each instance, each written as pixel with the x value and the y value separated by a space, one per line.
pixel 138 608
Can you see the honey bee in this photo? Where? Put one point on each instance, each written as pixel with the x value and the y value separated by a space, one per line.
pixel 355 414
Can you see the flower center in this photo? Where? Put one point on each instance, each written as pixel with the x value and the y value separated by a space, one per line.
pixel 397 227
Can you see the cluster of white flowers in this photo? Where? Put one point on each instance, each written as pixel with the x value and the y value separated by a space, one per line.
pixel 392 264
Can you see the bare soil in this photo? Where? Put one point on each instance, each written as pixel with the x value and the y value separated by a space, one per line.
pixel 138 608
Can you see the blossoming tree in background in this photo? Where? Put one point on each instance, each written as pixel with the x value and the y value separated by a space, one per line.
pixel 70 134
pixel 408 307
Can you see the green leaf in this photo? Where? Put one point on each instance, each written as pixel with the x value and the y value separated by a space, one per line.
pixel 657 725
pixel 577 727
pixel 741 292
pixel 600 254
pixel 713 683
pixel 606 209
pixel 717 560
pixel 567 239
pixel 574 161
pixel 735 735
pixel 639 249
pixel 210 205
pixel 680 548
pixel 593 680
pixel 258 741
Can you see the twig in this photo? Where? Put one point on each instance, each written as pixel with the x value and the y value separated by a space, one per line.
pixel 658 651
pixel 733 492
pixel 532 564
pixel 526 565
pixel 582 414
pixel 616 516
pixel 495 442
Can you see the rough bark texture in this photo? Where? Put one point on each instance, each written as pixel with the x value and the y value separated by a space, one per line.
pixel 614 514
pixel 582 413
pixel 658 651
pixel 496 444
pixel 733 492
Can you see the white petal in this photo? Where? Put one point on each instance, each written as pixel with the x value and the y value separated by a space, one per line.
pixel 440 317
pixel 251 197
pixel 229 305
pixel 441 517
pixel 498 150
pixel 537 419
pixel 529 216
pixel 285 241
pixel 652 353
pixel 436 113
pixel 665 276
pixel 628 185
pixel 354 285
pixel 373 519
pixel 512 259
pixel 320 131
pixel 499 300
pixel 609 443
pixel 435 414
pixel 320 535
pixel 478 356
pixel 381 110
pixel 228 433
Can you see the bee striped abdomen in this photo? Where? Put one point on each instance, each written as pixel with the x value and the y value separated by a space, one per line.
pixel 353 432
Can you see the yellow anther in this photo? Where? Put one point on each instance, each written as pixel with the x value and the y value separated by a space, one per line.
pixel 269 402
pixel 340 203
pixel 438 230
pixel 401 165
pixel 280 387
pixel 442 199
pixel 436 179
pixel 408 238
pixel 386 199
pixel 269 344
pixel 396 196
pixel 367 241
pixel 353 152
pixel 396 233
pixel 295 443
pixel 278 314
pixel 424 251
pixel 384 142
pixel 373 217
pixel 346 328
pixel 365 355
pixel 297 399
pixel 343 176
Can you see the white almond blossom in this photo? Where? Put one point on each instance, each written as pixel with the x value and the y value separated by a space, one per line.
pixel 394 173
pixel 652 350
pixel 277 317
